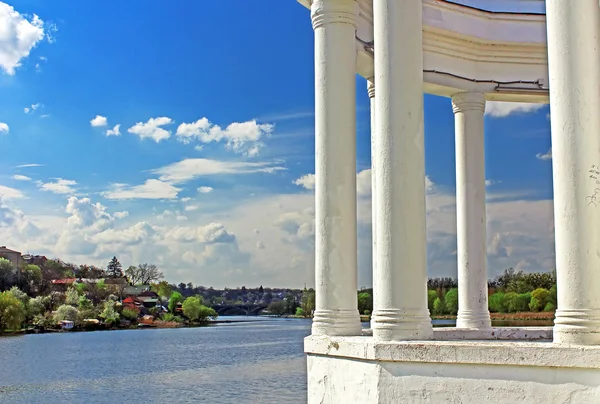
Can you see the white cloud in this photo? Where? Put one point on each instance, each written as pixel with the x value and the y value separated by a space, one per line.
pixel 114 131
pixel 268 239
pixel 241 137
pixel 152 129
pixel 121 215
pixel 58 186
pixel 489 183
pixel 545 156
pixel 18 36
pixel 99 120
pixel 7 193
pixel 501 109
pixel 19 177
pixel 44 116
pixel 151 189
pixel 188 169
pixel 307 181
pixel 205 190
pixel 3 127
pixel 33 107
pixel 29 165
pixel 85 214
pixel 363 183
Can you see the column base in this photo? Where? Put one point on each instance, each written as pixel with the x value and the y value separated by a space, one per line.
pixel 577 327
pixel 336 323
pixel 473 319
pixel 396 325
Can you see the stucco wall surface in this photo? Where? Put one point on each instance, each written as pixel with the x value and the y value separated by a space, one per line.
pixel 359 370
pixel 344 380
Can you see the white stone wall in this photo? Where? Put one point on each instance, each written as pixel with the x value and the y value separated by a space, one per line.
pixel 348 380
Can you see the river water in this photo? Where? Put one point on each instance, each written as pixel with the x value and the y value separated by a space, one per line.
pixel 260 360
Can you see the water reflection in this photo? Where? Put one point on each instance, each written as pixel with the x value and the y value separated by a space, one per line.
pixel 260 360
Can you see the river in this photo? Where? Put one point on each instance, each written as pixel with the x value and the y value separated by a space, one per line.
pixel 260 360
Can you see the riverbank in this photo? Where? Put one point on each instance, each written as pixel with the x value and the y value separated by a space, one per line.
pixel 107 327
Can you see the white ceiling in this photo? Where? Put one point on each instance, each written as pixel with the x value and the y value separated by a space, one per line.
pixel 523 6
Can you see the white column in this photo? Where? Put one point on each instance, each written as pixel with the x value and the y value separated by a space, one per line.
pixel 336 311
pixel 473 309
pixel 574 69
pixel 400 297
pixel 371 92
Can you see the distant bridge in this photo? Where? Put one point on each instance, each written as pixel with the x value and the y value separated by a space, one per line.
pixel 245 309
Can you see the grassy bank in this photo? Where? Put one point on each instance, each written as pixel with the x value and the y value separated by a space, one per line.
pixel 522 316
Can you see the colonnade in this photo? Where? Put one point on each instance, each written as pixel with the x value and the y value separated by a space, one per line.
pixel 398 169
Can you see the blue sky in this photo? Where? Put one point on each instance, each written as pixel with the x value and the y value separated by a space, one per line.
pixel 225 200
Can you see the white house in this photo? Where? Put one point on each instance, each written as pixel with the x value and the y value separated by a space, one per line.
pixel 550 53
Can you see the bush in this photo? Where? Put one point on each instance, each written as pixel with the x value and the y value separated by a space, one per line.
pixel 515 302
pixel 36 307
pixel 129 314
pixel 66 312
pixel 300 312
pixel 431 296
pixel 451 301
pixel 365 302
pixel 12 312
pixel 170 317
pixel 19 294
pixel 109 314
pixel 539 298
pixel 550 307
pixel 438 306
pixel 367 312
pixel 85 303
pixel 496 303
pixel 175 298
pixel 195 311
pixel 72 297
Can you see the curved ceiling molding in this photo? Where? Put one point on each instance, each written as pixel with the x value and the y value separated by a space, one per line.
pixel 502 54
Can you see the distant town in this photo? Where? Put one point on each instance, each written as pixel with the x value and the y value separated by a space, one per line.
pixel 49 294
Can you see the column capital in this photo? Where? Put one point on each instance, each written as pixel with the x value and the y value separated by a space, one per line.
pixel 468 101
pixel 371 87
pixel 324 12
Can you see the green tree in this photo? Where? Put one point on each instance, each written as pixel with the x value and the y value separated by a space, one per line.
pixel 163 289
pixel 277 308
pixel 539 298
pixel 129 314
pixel 114 268
pixel 85 304
pixel 109 314
pixel 290 303
pixel 307 302
pixel 496 303
pixel 451 301
pixel 7 274
pixel 37 306
pixel 300 312
pixel 66 312
pixel 365 302
pixel 196 311
pixel 19 294
pixel 12 312
pixel 72 297
pixel 431 296
pixel 175 298
pixel 516 302
pixel 31 278
pixel 439 307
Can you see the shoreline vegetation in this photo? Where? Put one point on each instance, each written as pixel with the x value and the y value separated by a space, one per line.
pixel 43 295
